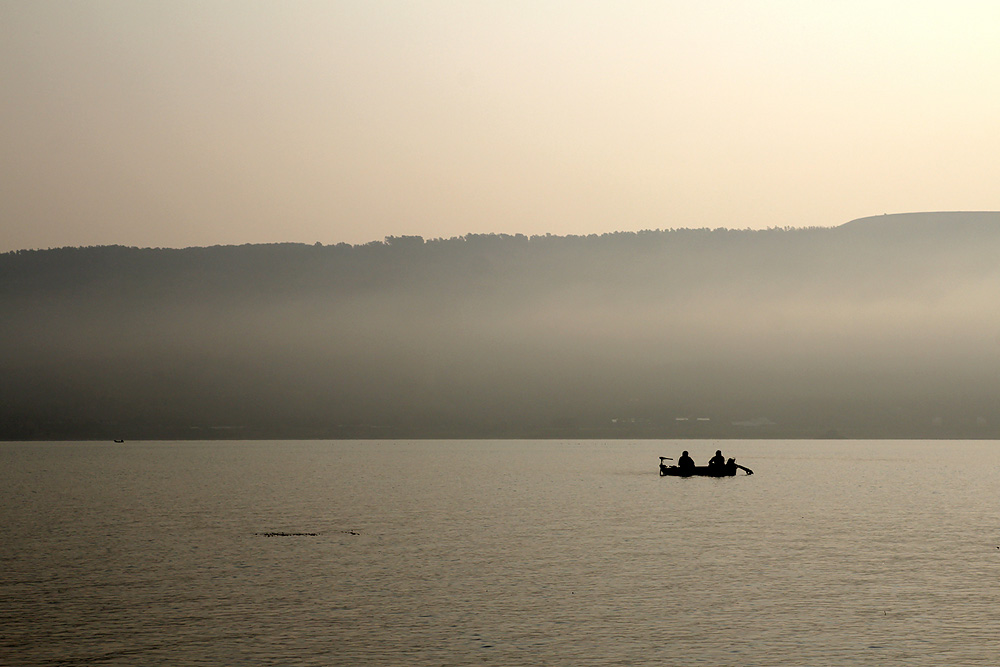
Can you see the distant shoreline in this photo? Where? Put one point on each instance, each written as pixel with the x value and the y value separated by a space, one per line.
pixel 885 327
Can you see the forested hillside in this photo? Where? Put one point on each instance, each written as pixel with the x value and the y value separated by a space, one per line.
pixel 883 327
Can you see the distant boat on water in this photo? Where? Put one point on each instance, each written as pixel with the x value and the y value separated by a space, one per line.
pixel 119 441
pixel 727 470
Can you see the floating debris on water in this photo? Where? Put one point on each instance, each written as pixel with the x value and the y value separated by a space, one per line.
pixel 284 534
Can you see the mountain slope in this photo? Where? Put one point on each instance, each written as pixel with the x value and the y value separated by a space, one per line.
pixel 882 327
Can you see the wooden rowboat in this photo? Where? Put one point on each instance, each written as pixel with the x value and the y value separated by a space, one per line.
pixel 728 470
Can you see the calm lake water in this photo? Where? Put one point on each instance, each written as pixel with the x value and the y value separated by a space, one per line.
pixel 498 553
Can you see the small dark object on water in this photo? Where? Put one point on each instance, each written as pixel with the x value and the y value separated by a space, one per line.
pixel 286 534
pixel 119 441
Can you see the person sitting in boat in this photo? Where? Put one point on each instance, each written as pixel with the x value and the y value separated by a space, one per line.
pixel 717 460
pixel 685 461
pixel 732 465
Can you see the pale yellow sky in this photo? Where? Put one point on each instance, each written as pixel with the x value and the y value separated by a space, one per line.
pixel 200 123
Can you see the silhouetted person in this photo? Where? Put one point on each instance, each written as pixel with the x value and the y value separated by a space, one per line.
pixel 732 465
pixel 685 461
pixel 717 460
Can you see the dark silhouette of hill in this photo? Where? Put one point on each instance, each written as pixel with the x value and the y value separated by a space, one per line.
pixel 882 327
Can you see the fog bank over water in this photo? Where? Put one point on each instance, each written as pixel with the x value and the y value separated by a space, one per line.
pixel 882 327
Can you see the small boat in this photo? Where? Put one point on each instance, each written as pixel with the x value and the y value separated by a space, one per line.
pixel 119 441
pixel 728 470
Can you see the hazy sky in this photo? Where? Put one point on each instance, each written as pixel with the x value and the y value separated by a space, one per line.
pixel 177 123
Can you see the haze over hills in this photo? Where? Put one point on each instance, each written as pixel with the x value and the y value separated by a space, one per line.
pixel 883 327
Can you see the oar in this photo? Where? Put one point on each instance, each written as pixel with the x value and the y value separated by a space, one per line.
pixel 665 458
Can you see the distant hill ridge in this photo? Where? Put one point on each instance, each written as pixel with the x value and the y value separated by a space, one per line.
pixel 886 326
pixel 926 220
pixel 918 221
